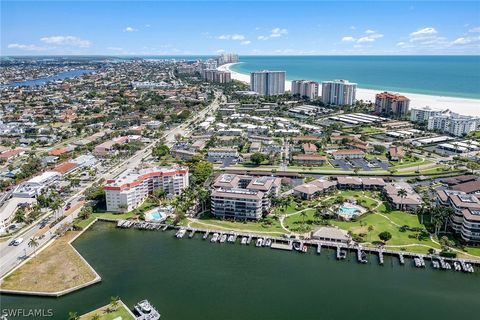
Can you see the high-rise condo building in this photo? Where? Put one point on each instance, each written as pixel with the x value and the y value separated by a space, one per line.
pixel 423 114
pixel 132 187
pixel 453 123
pixel 391 105
pixel 216 76
pixel 305 88
pixel 227 58
pixel 339 92
pixel 268 83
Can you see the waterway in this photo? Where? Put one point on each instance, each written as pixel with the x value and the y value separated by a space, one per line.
pixel 44 80
pixel 195 279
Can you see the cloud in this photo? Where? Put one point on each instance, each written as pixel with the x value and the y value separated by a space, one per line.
pixel 129 29
pixel 275 33
pixel 246 42
pixel 348 39
pixel 233 37
pixel 476 29
pixel 66 41
pixel 369 31
pixel 27 47
pixel 370 37
pixel 422 34
pixel 462 41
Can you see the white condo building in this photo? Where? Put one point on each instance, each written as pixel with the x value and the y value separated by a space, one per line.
pixel 305 88
pixel 268 83
pixel 133 186
pixel 423 114
pixel 339 92
pixel 453 123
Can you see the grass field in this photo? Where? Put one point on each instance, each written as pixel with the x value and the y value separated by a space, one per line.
pixel 58 267
pixel 104 314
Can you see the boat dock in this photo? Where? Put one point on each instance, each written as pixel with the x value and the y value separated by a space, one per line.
pixel 282 243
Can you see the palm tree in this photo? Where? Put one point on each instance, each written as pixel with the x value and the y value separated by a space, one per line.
pixel 303 214
pixel 402 193
pixel 33 243
pixel 73 316
pixel 114 301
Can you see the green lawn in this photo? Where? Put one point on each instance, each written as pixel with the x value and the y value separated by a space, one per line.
pixel 260 226
pixel 104 315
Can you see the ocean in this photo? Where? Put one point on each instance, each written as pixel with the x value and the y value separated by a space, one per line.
pixel 454 76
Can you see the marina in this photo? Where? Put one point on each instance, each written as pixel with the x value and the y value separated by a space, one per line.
pixel 164 268
pixel 287 244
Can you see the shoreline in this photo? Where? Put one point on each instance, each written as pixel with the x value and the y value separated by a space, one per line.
pixel 463 106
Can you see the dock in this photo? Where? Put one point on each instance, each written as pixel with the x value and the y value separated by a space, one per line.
pixel 282 243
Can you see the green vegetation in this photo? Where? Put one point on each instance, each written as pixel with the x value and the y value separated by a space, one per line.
pixel 115 310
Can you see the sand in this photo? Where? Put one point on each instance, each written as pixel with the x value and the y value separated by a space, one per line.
pixel 462 106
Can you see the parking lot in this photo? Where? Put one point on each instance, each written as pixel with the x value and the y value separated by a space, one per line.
pixel 362 164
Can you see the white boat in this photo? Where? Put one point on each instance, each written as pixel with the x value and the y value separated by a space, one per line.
pixel 244 240
pixel 259 242
pixel 457 266
pixel 231 238
pixel 268 242
pixel 214 237
pixel 435 264
pixel 145 311
pixel 223 238
pixel 180 233
pixel 297 246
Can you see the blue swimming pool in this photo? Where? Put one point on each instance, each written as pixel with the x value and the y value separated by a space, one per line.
pixel 157 216
pixel 348 210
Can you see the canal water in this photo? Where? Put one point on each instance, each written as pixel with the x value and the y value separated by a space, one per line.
pixel 194 279
pixel 45 80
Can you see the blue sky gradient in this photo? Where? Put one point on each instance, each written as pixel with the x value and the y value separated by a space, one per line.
pixel 245 27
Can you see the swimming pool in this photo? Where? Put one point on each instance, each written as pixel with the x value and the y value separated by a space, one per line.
pixel 156 216
pixel 348 210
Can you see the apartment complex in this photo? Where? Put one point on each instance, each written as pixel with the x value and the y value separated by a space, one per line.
pixel 391 105
pixel 466 220
pixel 423 114
pixel 453 123
pixel 133 186
pixel 409 200
pixel 227 58
pixel 305 88
pixel 243 197
pixel 268 83
pixel 339 92
pixel 217 76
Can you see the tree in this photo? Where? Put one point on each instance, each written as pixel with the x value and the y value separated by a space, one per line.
pixel 378 148
pixel 73 316
pixel 33 243
pixel 355 170
pixel 201 171
pixel 385 236
pixel 86 212
pixel 303 214
pixel 95 317
pixel 114 302
pixel 402 193
pixel 257 158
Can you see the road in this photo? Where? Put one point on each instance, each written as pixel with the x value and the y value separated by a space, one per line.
pixel 11 256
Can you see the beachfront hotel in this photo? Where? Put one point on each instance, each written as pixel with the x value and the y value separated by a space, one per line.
pixel 391 105
pixel 243 197
pixel 305 88
pixel 133 186
pixel 268 83
pixel 339 92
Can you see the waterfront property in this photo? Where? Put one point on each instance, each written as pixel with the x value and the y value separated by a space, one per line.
pixel 466 220
pixel 243 197
pixel 268 83
pixel 133 186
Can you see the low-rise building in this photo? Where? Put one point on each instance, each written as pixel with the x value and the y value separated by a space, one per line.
pixel 309 159
pixel 402 196
pixel 32 187
pixel 348 154
pixel 396 153
pixel 312 189
pixel 132 187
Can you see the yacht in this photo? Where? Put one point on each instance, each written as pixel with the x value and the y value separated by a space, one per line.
pixel 145 311
pixel 244 240
pixel 457 266
pixel 435 264
pixel 180 233
pixel 231 238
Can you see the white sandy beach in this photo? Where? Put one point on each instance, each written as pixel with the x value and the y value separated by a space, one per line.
pixel 462 106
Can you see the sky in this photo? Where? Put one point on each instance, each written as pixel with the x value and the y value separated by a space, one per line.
pixel 244 27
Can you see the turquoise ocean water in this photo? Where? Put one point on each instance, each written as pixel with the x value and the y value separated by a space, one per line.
pixel 455 76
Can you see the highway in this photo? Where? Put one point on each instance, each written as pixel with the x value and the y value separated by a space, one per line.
pixel 11 256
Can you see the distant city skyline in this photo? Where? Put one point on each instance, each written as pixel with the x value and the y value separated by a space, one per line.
pixel 248 28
